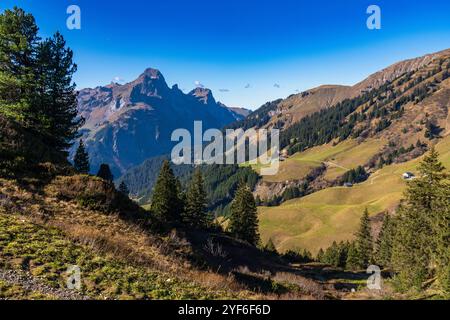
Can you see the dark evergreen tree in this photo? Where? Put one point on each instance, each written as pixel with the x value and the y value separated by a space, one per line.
pixel 352 262
pixel 441 231
pixel 56 100
pixel 105 172
pixel 364 242
pixel 81 159
pixel 355 175
pixel 166 204
pixel 18 40
pixel 332 256
pixel 244 217
pixel 385 242
pixel 195 212
pixel 320 256
pixel 307 256
pixel 343 249
pixel 123 188
pixel 421 241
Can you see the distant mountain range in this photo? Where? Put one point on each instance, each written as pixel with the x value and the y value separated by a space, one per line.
pixel 127 124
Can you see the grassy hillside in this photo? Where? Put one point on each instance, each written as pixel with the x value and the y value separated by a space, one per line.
pixel 47 253
pixel 338 159
pixel 83 221
pixel 315 221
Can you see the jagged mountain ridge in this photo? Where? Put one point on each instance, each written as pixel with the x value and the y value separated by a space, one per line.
pixel 127 124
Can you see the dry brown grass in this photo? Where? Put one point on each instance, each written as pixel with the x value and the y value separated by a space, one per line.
pixel 126 240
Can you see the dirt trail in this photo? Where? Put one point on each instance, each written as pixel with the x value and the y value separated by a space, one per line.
pixel 333 164
pixel 30 283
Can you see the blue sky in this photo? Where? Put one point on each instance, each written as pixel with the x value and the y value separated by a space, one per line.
pixel 246 51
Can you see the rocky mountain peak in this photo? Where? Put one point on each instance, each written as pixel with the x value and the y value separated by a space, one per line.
pixel 153 74
pixel 127 124
pixel 204 95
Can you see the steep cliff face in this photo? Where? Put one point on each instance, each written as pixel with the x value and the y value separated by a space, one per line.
pixel 127 124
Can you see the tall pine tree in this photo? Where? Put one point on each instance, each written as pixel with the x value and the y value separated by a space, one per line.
pixel 352 262
pixel 384 242
pixel 56 100
pixel 166 204
pixel 81 159
pixel 441 230
pixel 244 216
pixel 421 242
pixel 195 212
pixel 18 41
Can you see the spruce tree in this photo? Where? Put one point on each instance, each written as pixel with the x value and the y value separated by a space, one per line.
pixel 105 173
pixel 18 40
pixel 343 248
pixel 56 100
pixel 385 242
pixel 123 188
pixel 364 241
pixel 441 231
pixel 352 262
pixel 307 256
pixel 81 159
pixel 166 204
pixel 320 256
pixel 244 217
pixel 195 212
pixel 332 255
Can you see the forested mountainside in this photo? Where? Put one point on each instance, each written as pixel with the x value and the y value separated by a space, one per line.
pixel 297 106
pixel 373 112
pixel 392 123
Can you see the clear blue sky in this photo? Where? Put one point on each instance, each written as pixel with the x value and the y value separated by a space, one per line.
pixel 276 47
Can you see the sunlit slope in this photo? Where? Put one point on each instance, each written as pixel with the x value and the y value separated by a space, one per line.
pixel 317 220
pixel 338 159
